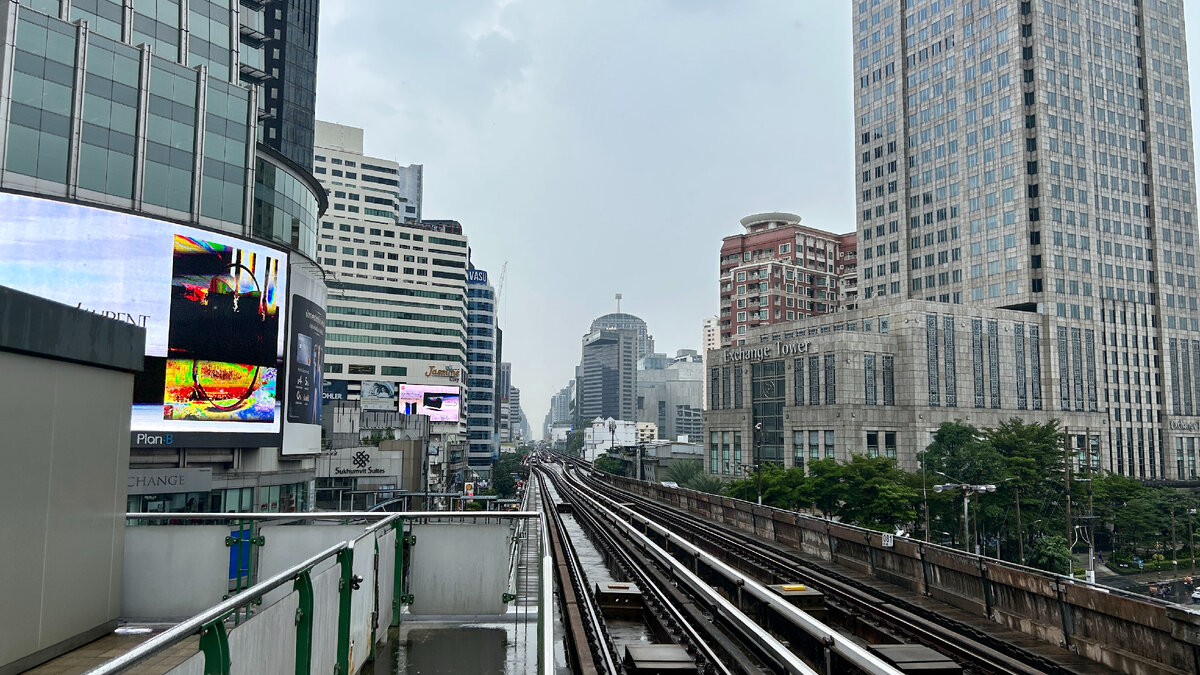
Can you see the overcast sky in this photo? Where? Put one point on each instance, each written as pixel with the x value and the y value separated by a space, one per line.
pixel 603 146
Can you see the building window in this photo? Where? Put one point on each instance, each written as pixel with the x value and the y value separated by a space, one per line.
pixel 726 388
pixel 994 362
pixel 1176 388
pixel 726 441
pixel 829 444
pixel 714 442
pixel 872 444
pixel 767 396
pixel 889 444
pixel 931 358
pixel 1035 369
pixel 869 379
pixel 814 380
pixel 1089 357
pixel 889 385
pixel 977 360
pixel 1077 367
pixel 814 445
pixel 830 380
pixel 1019 353
pixel 797 448
pixel 798 381
pixel 737 387
pixel 737 450
pixel 951 361
pixel 1064 377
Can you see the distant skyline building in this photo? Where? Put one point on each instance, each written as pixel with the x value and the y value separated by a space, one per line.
pixel 670 393
pixel 609 374
pixel 780 270
pixel 710 339
pixel 622 321
pixel 1038 157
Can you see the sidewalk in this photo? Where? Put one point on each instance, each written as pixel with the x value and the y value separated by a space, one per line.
pixel 1137 581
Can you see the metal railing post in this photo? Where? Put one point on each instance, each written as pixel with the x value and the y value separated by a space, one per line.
pixel 304 622
pixel 398 573
pixel 214 643
pixel 345 588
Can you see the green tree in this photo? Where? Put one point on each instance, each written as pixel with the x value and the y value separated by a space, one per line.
pixel 959 453
pixel 683 470
pixel 609 465
pixel 1051 553
pixel 875 493
pixel 503 484
pixel 575 443
pixel 706 482
pixel 1033 472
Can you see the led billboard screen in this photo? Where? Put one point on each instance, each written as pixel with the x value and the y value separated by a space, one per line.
pixel 212 306
pixel 440 403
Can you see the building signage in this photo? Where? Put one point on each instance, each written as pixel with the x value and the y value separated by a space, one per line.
pixel 449 372
pixel 334 390
pixel 159 481
pixel 1184 425
pixel 361 466
pixel 763 352
pixel 477 277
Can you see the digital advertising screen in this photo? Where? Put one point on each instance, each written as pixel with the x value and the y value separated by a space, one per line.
pixel 212 306
pixel 440 403
pixel 306 361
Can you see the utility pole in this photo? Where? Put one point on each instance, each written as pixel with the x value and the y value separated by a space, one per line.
pixel 1067 475
pixel 1020 530
pixel 758 458
pixel 1091 573
pixel 1174 558
pixel 1192 539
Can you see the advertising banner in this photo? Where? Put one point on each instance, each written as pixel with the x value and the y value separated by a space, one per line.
pixel 211 304
pixel 378 395
pixel 440 403
pixel 306 362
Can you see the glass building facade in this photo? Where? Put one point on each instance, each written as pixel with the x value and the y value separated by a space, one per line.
pixel 482 444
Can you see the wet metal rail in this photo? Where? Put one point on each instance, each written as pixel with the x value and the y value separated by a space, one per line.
pixel 976 651
pixel 751 647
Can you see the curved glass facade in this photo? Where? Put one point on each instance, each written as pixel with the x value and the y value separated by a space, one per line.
pixel 285 207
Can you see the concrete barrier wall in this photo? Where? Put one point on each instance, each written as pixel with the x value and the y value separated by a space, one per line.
pixel 1124 632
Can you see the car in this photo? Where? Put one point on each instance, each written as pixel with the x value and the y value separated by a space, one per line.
pixel 1196 596
pixel 670 484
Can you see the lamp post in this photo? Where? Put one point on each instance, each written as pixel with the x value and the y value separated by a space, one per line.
pixel 758 458
pixel 967 491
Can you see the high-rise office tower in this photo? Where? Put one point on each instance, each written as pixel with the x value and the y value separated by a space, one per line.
pixel 397 311
pixel 290 91
pixel 623 321
pixel 609 369
pixel 1037 156
pixel 482 441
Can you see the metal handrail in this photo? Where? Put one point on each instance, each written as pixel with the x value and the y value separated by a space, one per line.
pixel 333 515
pixel 181 631
pixel 545 607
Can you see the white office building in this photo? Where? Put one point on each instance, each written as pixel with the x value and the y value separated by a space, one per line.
pixel 397 309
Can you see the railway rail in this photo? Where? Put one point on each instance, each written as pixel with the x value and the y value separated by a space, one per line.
pixel 678 580
pixel 974 650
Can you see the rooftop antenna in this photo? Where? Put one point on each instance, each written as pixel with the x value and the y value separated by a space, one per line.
pixel 618 303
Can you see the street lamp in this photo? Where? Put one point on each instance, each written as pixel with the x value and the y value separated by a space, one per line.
pixel 758 458
pixel 612 435
pixel 967 491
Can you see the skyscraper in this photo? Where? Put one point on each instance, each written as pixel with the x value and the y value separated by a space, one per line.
pixel 622 321
pixel 609 368
pixel 1036 156
pixel 482 441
